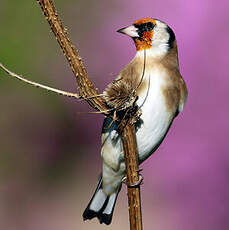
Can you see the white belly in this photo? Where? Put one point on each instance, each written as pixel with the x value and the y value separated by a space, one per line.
pixel 150 130
pixel 155 119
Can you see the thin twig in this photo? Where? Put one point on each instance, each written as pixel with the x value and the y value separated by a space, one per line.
pixel 50 89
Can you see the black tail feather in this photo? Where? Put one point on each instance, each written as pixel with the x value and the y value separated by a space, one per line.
pixel 103 217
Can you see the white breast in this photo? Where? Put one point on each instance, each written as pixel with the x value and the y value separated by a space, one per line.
pixel 155 120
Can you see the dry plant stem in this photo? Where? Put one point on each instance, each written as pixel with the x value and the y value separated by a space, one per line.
pixel 50 89
pixel 86 87
pixel 88 90
pixel 131 159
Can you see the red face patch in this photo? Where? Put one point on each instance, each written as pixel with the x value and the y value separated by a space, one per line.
pixel 144 42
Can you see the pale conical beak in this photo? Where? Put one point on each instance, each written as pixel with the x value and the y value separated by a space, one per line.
pixel 131 31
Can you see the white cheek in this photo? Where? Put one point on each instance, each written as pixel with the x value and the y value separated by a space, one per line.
pixel 160 35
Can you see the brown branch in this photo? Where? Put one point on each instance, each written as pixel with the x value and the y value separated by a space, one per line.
pixel 131 159
pixel 86 87
pixel 88 92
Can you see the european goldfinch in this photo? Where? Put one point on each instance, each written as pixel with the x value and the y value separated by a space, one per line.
pixel 161 95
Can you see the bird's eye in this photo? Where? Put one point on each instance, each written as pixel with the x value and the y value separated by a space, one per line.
pixel 149 25
pixel 145 27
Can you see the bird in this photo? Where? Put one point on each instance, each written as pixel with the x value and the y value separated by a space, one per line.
pixel 153 79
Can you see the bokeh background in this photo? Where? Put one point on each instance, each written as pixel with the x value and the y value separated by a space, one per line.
pixel 50 145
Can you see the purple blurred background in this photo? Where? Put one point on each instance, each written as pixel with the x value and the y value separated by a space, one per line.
pixel 50 146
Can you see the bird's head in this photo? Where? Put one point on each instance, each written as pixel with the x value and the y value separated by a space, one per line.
pixel 149 33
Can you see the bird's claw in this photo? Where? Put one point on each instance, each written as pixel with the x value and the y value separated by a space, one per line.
pixel 136 184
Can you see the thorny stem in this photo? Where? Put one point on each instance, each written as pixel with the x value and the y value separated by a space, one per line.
pixel 132 176
pixel 88 92
pixel 86 87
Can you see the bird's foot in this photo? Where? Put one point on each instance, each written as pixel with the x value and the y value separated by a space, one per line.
pixel 135 184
